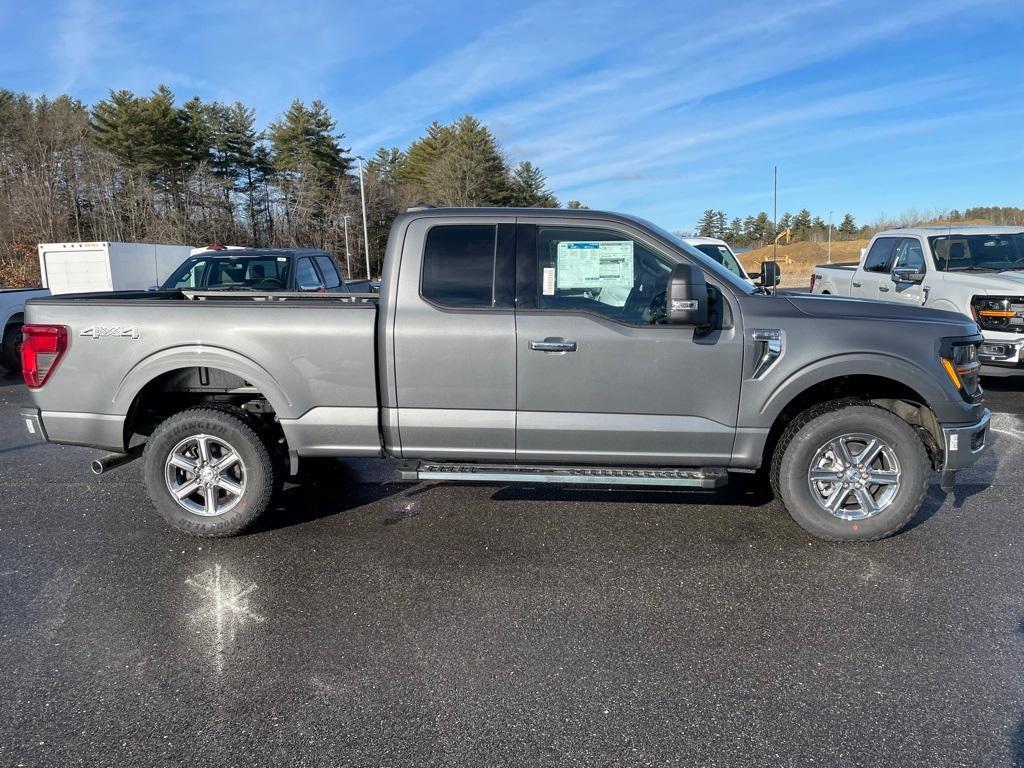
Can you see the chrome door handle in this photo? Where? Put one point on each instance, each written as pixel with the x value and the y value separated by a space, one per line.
pixel 883 288
pixel 856 285
pixel 553 345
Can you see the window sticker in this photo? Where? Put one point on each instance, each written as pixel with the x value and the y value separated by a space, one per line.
pixel 595 264
pixel 549 281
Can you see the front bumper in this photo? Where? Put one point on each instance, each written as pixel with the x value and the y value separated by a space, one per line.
pixel 1001 351
pixel 33 423
pixel 962 446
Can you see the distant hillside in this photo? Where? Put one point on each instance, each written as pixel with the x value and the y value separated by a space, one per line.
pixel 798 259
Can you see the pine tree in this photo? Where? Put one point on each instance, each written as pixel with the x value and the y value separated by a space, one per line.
pixel 719 224
pixel 529 188
pixel 470 169
pixel 386 165
pixel 847 227
pixel 706 225
pixel 575 205
pixel 734 232
pixel 305 140
pixel 802 224
pixel 763 230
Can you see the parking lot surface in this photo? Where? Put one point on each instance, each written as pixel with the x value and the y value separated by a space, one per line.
pixel 373 624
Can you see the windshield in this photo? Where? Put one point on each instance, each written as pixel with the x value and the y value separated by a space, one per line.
pixel 258 273
pixel 723 256
pixel 978 253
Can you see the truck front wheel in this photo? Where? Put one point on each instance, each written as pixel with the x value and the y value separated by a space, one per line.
pixel 208 472
pixel 850 472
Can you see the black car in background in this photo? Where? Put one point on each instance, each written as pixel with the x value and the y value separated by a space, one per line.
pixel 258 269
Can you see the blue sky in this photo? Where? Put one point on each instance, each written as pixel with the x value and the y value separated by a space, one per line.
pixel 660 109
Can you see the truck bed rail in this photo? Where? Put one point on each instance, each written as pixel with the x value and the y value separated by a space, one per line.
pixel 337 298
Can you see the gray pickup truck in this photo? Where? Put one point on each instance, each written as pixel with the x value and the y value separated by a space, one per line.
pixel 517 346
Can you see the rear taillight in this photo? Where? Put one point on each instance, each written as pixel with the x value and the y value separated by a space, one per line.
pixel 810 288
pixel 41 350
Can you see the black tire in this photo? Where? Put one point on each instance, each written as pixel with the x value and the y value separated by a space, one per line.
pixel 257 475
pixel 815 428
pixel 10 348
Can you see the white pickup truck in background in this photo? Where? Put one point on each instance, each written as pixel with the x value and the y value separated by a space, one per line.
pixel 975 270
pixel 720 251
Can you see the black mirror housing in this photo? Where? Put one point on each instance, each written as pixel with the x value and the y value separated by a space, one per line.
pixel 907 275
pixel 687 296
pixel 770 274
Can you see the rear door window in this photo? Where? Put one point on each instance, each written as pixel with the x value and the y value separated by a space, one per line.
pixel 879 258
pixel 458 265
pixel 305 275
pixel 329 271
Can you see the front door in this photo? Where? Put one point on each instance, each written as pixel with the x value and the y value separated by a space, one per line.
pixel 601 379
pixel 874 279
pixel 909 255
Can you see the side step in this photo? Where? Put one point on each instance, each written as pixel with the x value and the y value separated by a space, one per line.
pixel 695 477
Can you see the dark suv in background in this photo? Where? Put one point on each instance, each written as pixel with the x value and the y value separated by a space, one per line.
pixel 258 269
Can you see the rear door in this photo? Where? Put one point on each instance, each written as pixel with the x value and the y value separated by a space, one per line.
pixel 874 274
pixel 455 339
pixel 329 273
pixel 601 379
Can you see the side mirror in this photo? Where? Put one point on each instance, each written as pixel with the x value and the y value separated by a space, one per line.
pixel 770 274
pixel 687 296
pixel 153 288
pixel 907 275
pixel 754 275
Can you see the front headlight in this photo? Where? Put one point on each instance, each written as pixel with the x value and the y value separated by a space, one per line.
pixel 960 361
pixel 999 313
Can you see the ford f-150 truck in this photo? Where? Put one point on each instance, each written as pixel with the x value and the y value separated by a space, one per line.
pixel 975 270
pixel 517 346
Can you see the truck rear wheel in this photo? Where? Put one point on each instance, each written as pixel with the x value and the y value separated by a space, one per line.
pixel 850 472
pixel 208 472
pixel 10 348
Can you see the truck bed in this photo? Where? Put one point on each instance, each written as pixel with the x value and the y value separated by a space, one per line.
pixel 311 356
pixel 850 266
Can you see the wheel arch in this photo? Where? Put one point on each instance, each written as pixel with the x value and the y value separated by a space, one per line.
pixel 904 396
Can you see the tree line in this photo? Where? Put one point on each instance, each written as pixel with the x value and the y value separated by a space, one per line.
pixel 145 169
pixel 759 230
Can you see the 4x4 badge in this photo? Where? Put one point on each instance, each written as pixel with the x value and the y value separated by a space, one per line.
pixel 101 332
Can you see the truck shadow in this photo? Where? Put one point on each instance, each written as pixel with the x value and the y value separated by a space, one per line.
pixel 324 489
pixel 8 379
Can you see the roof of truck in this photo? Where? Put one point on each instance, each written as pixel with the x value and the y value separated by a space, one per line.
pixel 972 229
pixel 234 253
pixel 533 213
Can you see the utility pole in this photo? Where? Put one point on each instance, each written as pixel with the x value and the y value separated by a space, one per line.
pixel 775 213
pixel 348 264
pixel 830 237
pixel 366 231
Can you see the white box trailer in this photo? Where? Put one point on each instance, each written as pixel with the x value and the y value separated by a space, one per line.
pixel 92 267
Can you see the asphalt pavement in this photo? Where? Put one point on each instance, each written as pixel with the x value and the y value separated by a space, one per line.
pixel 375 624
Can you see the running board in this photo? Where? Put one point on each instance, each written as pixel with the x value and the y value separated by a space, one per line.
pixel 695 477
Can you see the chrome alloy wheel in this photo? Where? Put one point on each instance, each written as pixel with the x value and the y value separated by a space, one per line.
pixel 205 475
pixel 854 476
